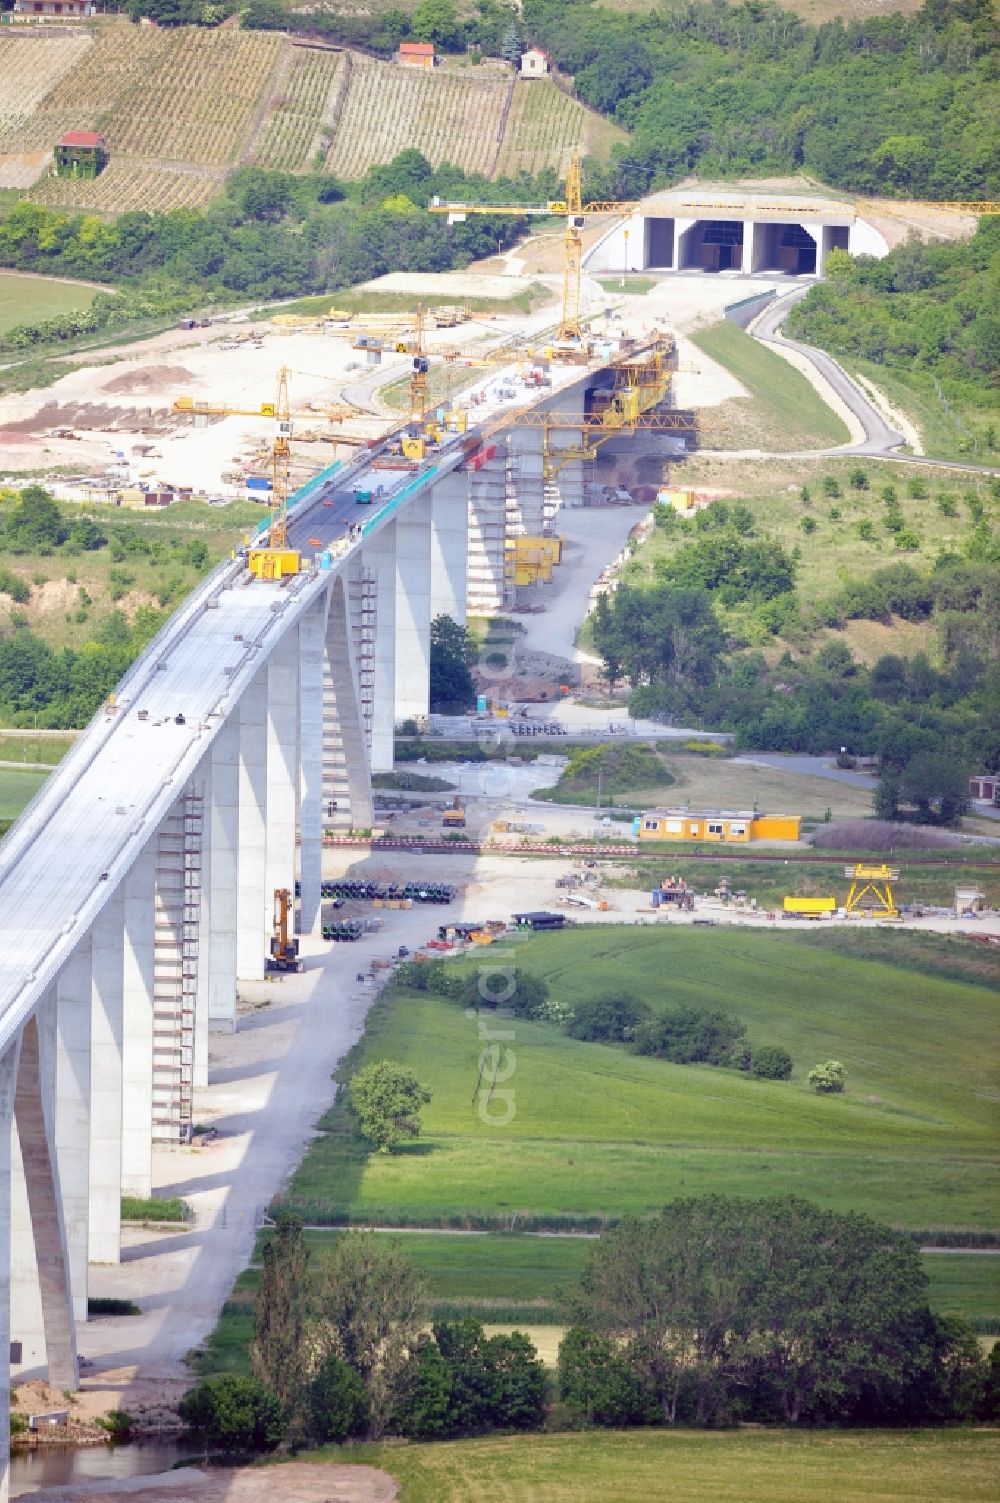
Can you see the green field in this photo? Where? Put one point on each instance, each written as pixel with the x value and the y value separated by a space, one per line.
pixel 686 1466
pixel 24 298
pixel 598 1132
pixel 17 789
pixel 966 1284
pixel 781 411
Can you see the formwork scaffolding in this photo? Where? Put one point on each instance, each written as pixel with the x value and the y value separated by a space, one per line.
pixel 176 928
pixel 489 520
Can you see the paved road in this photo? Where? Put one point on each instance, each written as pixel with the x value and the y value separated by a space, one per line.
pixel 881 441
pixel 879 437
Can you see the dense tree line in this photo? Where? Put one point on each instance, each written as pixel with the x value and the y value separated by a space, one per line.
pixel 715 1311
pixel 925 308
pixel 492 27
pixel 273 235
pixel 890 104
pixel 770 1310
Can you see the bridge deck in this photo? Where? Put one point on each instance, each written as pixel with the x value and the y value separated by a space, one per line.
pixel 86 827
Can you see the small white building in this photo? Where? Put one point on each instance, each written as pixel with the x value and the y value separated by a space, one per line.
pixel 54 10
pixel 534 63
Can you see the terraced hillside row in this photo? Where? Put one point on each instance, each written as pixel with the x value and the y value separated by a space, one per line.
pixel 181 107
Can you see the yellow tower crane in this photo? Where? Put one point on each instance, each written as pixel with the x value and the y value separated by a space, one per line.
pixel 575 212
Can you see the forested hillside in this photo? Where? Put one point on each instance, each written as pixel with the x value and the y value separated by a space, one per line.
pixel 928 313
pixel 890 104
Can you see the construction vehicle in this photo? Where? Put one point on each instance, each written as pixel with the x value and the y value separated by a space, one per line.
pixel 453 817
pixel 284 955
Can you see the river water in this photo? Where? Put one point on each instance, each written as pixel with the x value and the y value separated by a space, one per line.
pixel 51 1466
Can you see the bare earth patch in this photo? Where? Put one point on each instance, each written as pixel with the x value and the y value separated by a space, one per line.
pixel 295 1483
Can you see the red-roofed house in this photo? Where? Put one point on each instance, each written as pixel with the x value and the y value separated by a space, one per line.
pixel 416 55
pixel 81 153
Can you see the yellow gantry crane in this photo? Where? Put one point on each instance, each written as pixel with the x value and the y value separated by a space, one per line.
pixel 576 212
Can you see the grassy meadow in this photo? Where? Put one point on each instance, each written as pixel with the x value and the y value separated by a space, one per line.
pixel 26 299
pixel 775 1466
pixel 781 410
pixel 834 553
pixel 597 1132
pixel 17 788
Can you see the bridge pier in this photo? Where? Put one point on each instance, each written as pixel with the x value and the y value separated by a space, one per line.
pixel 413 610
pixel 450 547
pixel 251 902
pixel 379 556
pixel 41 1296
pixel 312 643
pixel 137 1026
pixel 106 1045
pixel 282 796
pixel 217 976
pixel 74 1008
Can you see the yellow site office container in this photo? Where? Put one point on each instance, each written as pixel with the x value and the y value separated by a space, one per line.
pixel 723 827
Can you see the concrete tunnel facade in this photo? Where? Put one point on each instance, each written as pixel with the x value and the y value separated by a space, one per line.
pixel 746 234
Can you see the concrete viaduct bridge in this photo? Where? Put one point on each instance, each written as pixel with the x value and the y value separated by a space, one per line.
pixel 136 889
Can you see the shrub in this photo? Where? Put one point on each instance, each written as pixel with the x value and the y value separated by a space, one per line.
pixel 423 1394
pixel 13 585
pixel 947 505
pixel 808 524
pixel 690 1035
pixel 516 991
pixel 828 1078
pixel 831 486
pixel 338 1402
pixel 858 479
pixel 597 1383
pixel 230 1413
pixel 916 488
pixel 386 1098
pixel 771 1062
pixel 611 1019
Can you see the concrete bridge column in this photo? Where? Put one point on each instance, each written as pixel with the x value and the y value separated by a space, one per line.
pixel 108 985
pixel 8 1083
pixel 202 786
pixel 217 959
pixel 74 1007
pixel 380 558
pixel 568 483
pixel 450 546
pixel 137 1025
pixel 252 807
pixel 413 609
pixel 41 1298
pixel 282 768
pixel 312 642
pixel 346 778
pixel 528 482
